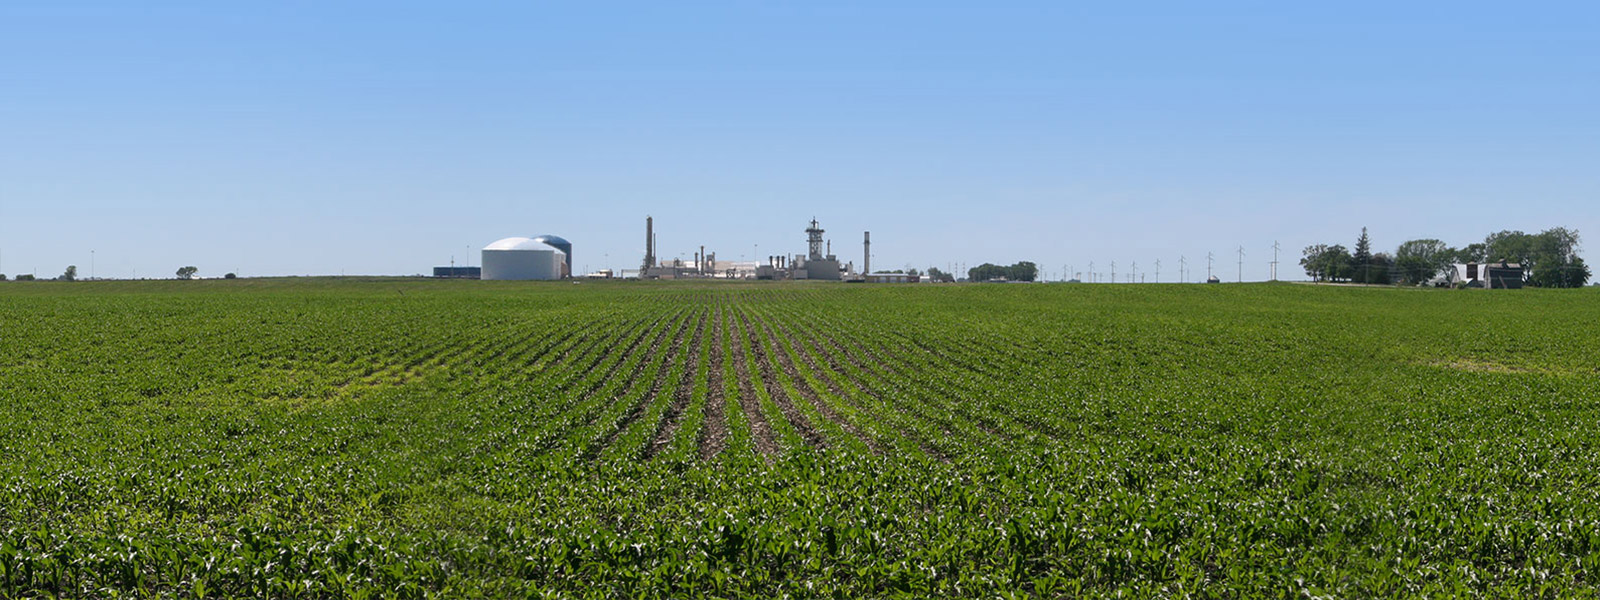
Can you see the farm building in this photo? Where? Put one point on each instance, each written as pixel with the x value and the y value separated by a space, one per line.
pixel 1502 275
pixel 520 258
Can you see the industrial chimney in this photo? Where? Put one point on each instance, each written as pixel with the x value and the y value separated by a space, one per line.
pixel 649 245
pixel 866 249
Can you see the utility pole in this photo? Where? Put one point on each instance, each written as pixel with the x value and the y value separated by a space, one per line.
pixel 1113 271
pixel 1091 271
pixel 1135 269
pixel 1210 257
pixel 1275 260
pixel 1158 270
pixel 1183 264
pixel 91 263
pixel 1241 264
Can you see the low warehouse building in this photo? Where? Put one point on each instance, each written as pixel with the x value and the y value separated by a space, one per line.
pixel 892 278
pixel 520 258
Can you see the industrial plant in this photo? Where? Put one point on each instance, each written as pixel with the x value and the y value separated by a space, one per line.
pixel 549 257
pixel 818 262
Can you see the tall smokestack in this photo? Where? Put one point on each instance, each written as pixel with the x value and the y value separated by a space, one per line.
pixel 866 250
pixel 649 243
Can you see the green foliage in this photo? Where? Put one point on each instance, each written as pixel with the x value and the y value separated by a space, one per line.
pixel 1361 259
pixel 1472 253
pixel 230 276
pixel 1418 261
pixel 1550 257
pixel 25 277
pixel 404 438
pixel 71 274
pixel 1022 271
pixel 187 272
pixel 937 275
pixel 1327 263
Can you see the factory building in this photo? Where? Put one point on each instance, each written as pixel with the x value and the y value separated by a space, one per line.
pixel 454 272
pixel 520 258
pixel 816 264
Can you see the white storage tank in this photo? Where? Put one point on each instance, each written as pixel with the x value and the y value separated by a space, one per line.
pixel 520 258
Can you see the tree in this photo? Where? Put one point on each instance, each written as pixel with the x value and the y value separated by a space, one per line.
pixel 1380 269
pixel 939 276
pixel 2 276
pixel 1418 261
pixel 1361 258
pixel 1326 263
pixel 230 276
pixel 1471 253
pixel 187 272
pixel 1555 261
pixel 913 272
pixel 71 274
pixel 25 277
pixel 1550 257
pixel 1022 271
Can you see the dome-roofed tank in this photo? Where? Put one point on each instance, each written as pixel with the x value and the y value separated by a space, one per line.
pixel 561 244
pixel 518 258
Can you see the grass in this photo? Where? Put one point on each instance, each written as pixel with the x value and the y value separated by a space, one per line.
pixel 412 438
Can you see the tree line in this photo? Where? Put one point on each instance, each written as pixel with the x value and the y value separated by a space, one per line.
pixel 1550 258
pixel 1022 271
pixel 71 274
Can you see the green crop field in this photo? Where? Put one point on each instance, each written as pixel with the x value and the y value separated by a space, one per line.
pixel 406 438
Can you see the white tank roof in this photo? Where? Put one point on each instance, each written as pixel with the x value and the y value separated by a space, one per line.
pixel 520 243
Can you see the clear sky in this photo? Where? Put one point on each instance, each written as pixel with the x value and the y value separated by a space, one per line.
pixel 323 137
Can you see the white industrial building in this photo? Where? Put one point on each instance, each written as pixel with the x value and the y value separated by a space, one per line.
pixel 520 258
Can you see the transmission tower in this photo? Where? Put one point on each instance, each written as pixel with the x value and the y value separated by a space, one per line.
pixel 1183 266
pixel 1275 260
pixel 1241 264
pixel 1210 258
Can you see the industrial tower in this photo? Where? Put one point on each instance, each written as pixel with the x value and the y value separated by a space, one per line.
pixel 814 241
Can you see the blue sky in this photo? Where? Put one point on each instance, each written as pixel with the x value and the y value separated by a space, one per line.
pixel 385 137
